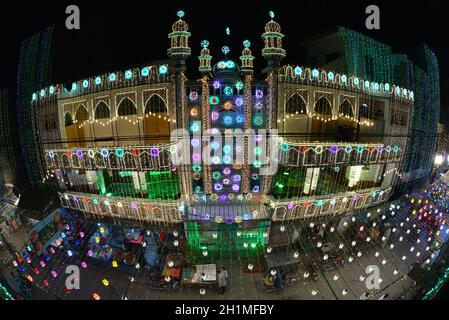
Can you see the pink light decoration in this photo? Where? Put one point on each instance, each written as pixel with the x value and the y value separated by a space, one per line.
pixel 28 260
pixel 90 253
pixel 196 157
pixel 42 263
pixel 81 234
pixel 134 205
pixel 52 250
pixel 84 265
pixel 215 116
pixel 54 273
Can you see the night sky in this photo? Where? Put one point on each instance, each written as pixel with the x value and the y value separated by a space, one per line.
pixel 117 35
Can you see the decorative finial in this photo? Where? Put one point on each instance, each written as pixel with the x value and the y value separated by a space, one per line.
pixel 246 43
pixel 225 50
pixel 204 43
pixel 180 14
pixel 228 31
pixel 271 13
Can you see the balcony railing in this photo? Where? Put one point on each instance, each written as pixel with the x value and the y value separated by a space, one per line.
pixel 310 154
pixel 329 205
pixel 123 158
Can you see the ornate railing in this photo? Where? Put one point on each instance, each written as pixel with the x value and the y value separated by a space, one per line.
pixel 316 154
pixel 329 205
pixel 157 211
pixel 123 158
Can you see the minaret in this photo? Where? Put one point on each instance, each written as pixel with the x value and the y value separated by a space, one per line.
pixel 247 59
pixel 179 49
pixel 272 51
pixel 205 58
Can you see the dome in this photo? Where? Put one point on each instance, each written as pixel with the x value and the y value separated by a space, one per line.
pixel 246 52
pixel 272 26
pixel 180 25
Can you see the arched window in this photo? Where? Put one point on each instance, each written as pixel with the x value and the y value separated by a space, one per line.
pixel 323 106
pixel 155 105
pixel 68 119
pixel 345 109
pixel 102 111
pixel 296 105
pixel 126 108
pixel 81 114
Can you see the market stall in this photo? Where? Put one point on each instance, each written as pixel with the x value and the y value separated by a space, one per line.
pixel 203 275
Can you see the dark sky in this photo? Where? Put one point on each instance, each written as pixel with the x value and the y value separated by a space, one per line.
pixel 115 35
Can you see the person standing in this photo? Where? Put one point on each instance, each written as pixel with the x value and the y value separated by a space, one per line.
pixel 222 274
pixel 278 283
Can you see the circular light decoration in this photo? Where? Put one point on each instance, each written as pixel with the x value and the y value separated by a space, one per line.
pixel 119 152
pixel 204 44
pixel 239 119
pixel 227 120
pixel 196 168
pixel 214 100
pixel 95 201
pixel 348 149
pixel 258 120
pixel 259 94
pixel 239 102
pixel 239 85
pixel 344 78
pixel 34 96
pixel 96 296
pixel 218 187
pixel 91 153
pixel 163 69
pixel 366 84
pixel 98 81
pixel 52 90
pixel 360 149
pixel 387 87
pixel 298 71
pixel 330 76
pixel 334 149
pixel 273 272
pixel 154 152
pixel 356 81
pixel 193 96
pixel 388 149
pixel 105 282
pixel 128 74
pixel 112 77
pixel 315 73
pixel 285 146
pixel 74 86
pixel 221 65
pixel 227 90
pixel 104 152
pixel 230 64
pixel 145 72
pixel 79 153
pixel 235 188
pixel 395 149
pixel 202 291
pixel 216 175
pixel 225 50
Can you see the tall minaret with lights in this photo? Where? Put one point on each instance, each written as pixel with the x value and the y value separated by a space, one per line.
pixel 272 51
pixel 178 52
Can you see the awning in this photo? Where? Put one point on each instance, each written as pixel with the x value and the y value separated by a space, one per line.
pixel 245 212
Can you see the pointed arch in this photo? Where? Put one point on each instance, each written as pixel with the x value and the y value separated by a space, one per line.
pixel 345 109
pixel 81 113
pixel 323 106
pixel 68 120
pixel 126 108
pixel 155 105
pixel 296 105
pixel 102 111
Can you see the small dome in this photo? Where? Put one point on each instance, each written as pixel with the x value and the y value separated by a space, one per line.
pixel 205 52
pixel 180 25
pixel 272 26
pixel 246 52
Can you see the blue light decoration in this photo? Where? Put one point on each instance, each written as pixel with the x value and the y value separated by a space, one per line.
pixel 34 96
pixel 366 84
pixel 259 94
pixel 271 14
pixel 257 151
pixel 163 69
pixel 225 50
pixel 120 152
pixel 320 203
pixel 180 14
pixel 344 79
pixel 376 86
pixel 228 31
pixel 227 120
pixel 214 100
pixel 227 149
pixel 74 86
pixel 216 84
pixel 315 73
pixel 298 71
pixel 395 149
pixel 97 81
pixel 52 90
pixel 387 87
pixel 239 102
pixel 85 84
pixel 239 119
pixel 356 82
pixel 215 145
pixel 388 149
pixel 195 126
pixel 218 187
pixel 330 76
pixel 112 77
pixel 227 90
pixel 128 74
pixel 246 43
pixel 360 149
pixel 284 146
pixel 348 149
pixel 230 64
pixel 257 164
pixel 95 201
pixel 104 152
pixel 42 93
pixel 204 44
pixel 145 72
